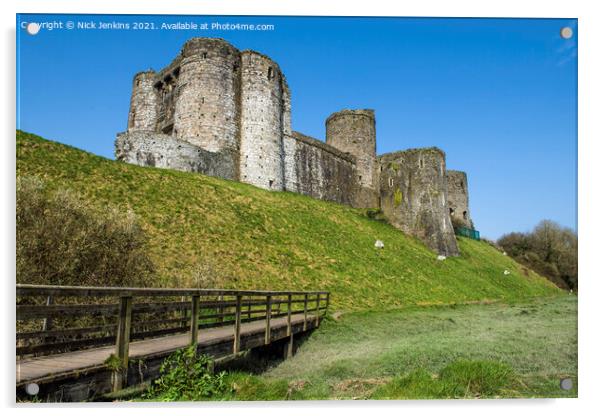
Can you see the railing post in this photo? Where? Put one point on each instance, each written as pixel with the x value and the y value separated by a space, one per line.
pixel 236 347
pixel 47 324
pixel 318 311
pixel 268 318
pixel 122 344
pixel 220 308
pixel 289 328
pixel 305 312
pixel 249 310
pixel 194 320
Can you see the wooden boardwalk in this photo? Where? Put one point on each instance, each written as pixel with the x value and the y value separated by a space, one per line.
pixel 80 343
pixel 33 369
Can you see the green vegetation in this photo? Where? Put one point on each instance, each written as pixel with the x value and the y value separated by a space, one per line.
pixel 213 232
pixel 465 351
pixel 550 249
pixel 63 239
pixel 186 375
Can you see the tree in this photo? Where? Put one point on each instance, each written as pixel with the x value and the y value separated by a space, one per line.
pixel 549 249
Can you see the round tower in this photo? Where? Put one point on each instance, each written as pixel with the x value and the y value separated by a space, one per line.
pixel 261 122
pixel 206 108
pixel 144 103
pixel 354 132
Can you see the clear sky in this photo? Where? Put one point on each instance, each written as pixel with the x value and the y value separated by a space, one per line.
pixel 499 96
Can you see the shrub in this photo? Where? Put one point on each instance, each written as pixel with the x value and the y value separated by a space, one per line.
pixel 187 375
pixel 549 249
pixel 63 240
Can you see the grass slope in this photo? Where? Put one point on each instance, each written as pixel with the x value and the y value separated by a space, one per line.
pixel 255 239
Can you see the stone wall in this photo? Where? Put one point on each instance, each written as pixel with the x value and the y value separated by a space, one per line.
pixel 318 170
pixel 457 198
pixel 413 196
pixel 226 113
pixel 354 132
pixel 144 104
pixel 146 148
pixel 261 122
pixel 207 90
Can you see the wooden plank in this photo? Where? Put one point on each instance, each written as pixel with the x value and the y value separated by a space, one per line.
pixel 236 346
pixel 56 333
pixel 305 312
pixel 194 320
pixel 268 318
pixel 93 291
pixel 25 312
pixel 288 317
pixel 122 343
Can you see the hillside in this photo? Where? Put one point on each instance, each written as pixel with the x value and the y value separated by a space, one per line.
pixel 237 236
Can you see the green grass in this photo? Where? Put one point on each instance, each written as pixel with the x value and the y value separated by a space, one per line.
pixel 469 351
pixel 254 239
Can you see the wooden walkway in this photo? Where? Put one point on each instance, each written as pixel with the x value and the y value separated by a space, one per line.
pixel 32 369
pixel 79 343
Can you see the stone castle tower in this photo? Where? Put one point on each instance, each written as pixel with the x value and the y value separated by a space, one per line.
pixel 227 113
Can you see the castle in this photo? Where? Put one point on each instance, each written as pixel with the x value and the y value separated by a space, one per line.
pixel 227 113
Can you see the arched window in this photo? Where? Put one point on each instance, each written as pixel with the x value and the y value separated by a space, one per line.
pixel 270 73
pixel 451 211
pixel 465 215
pixel 391 182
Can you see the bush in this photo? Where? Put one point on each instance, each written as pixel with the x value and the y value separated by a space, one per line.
pixel 550 250
pixel 186 375
pixel 63 240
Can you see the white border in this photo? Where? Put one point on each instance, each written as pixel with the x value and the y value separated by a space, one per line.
pixel 590 68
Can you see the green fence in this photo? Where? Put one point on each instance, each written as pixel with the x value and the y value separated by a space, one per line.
pixel 468 232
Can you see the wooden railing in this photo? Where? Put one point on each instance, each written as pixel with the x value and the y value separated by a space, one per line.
pixel 55 319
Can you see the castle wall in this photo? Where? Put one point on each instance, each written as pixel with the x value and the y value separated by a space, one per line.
pixel 457 198
pixel 207 108
pixel 146 148
pixel 226 113
pixel 144 103
pixel 318 170
pixel 261 122
pixel 413 196
pixel 354 132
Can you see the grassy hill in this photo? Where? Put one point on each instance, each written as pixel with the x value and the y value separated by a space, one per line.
pixel 237 236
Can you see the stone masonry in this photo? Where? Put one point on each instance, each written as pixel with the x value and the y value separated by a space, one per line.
pixel 222 112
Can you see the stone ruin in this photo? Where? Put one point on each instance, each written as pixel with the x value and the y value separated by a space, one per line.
pixel 227 113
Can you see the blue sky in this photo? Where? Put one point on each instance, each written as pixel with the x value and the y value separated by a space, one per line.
pixel 499 96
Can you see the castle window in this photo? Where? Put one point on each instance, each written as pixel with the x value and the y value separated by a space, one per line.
pixel 270 73
pixel 462 184
pixel 421 163
pixel 451 211
pixel 204 55
pixel 465 215
pixel 271 183
pixel 390 182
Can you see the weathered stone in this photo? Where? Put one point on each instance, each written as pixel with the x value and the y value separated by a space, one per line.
pixel 226 113
pixel 316 169
pixel 354 132
pixel 147 148
pixel 457 198
pixel 413 195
